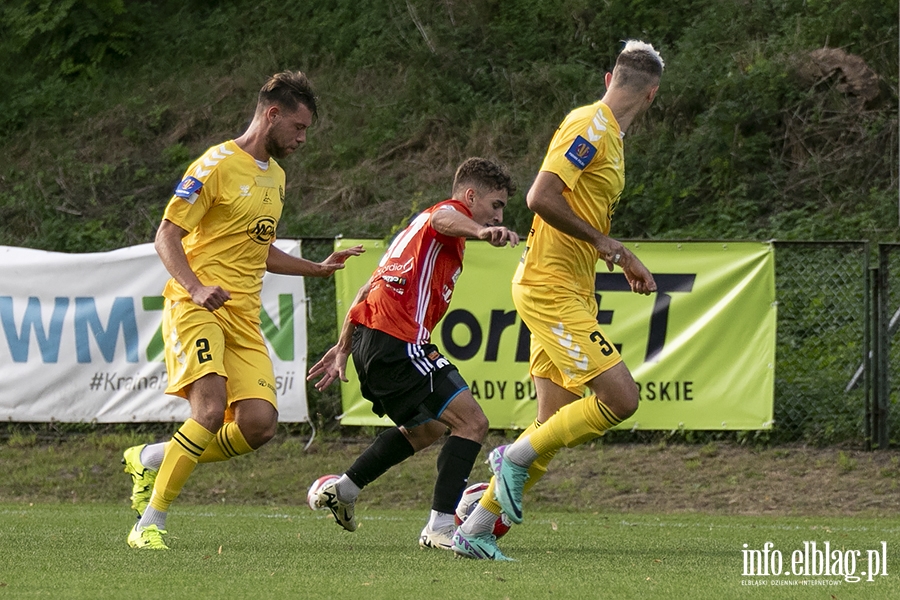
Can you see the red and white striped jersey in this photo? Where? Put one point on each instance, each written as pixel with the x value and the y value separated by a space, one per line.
pixel 412 285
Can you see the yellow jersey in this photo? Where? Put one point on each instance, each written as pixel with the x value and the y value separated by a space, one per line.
pixel 230 206
pixel 586 153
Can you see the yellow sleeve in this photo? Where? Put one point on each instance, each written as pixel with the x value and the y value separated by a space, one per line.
pixel 193 197
pixel 570 150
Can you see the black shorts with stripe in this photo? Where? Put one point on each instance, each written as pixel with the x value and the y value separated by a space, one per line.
pixel 410 383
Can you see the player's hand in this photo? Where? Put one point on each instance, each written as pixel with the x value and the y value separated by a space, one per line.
pixel 337 259
pixel 210 297
pixel 638 276
pixel 612 252
pixel 499 236
pixel 331 367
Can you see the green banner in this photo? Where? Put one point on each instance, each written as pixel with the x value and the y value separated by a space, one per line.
pixel 702 349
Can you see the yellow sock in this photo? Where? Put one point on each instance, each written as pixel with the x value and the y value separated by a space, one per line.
pixel 537 470
pixel 573 424
pixel 182 453
pixel 228 443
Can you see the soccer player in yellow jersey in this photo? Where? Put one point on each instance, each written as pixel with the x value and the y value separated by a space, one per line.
pixel 574 197
pixel 216 242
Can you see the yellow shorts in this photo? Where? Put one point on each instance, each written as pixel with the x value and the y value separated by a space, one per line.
pixel 568 346
pixel 200 342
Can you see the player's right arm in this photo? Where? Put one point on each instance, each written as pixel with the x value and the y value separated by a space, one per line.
pixel 333 365
pixel 171 253
pixel 455 224
pixel 546 199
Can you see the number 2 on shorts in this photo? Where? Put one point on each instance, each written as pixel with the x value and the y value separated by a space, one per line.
pixel 203 354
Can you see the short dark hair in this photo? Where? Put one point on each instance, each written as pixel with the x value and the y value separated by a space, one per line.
pixel 483 173
pixel 288 89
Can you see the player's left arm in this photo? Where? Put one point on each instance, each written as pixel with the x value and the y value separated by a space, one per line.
pixel 455 224
pixel 546 199
pixel 282 263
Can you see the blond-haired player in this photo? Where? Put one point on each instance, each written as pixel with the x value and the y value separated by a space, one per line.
pixel 216 242
pixel 574 197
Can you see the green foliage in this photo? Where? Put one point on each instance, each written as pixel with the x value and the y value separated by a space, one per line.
pixel 71 36
pixel 61 41
pixel 845 463
pixel 112 99
pixel 21 440
pixel 738 145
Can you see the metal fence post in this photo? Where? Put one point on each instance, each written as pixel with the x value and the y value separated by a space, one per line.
pixel 882 352
pixel 870 301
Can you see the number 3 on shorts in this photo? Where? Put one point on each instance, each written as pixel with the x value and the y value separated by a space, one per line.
pixel 605 347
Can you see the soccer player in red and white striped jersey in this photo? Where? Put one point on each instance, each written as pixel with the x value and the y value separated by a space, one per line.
pixel 388 331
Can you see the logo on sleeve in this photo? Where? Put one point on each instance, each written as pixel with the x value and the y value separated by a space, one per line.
pixel 188 189
pixel 581 152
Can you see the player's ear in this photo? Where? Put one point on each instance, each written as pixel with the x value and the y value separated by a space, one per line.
pixel 273 113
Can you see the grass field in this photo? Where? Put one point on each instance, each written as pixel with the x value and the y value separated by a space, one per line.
pixel 79 551
pixel 615 521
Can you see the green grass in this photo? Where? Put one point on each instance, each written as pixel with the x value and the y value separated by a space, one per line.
pixel 78 550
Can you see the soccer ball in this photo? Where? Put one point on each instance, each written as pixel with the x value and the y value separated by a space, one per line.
pixel 467 503
pixel 317 485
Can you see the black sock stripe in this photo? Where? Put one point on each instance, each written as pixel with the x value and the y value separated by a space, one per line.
pixel 186 443
pixel 607 414
pixel 224 442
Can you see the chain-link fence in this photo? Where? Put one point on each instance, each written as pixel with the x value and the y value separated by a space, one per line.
pixel 824 387
pixel 821 384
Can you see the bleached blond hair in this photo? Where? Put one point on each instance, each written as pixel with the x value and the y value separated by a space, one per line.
pixel 638 66
pixel 643 47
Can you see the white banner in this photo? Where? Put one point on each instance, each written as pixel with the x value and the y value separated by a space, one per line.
pixel 80 337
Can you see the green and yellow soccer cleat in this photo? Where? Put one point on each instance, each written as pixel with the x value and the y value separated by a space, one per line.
pixel 142 479
pixel 148 538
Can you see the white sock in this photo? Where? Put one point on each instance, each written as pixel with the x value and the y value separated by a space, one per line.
pixel 347 491
pixel 480 520
pixel 521 453
pixel 440 520
pixel 152 455
pixel 152 516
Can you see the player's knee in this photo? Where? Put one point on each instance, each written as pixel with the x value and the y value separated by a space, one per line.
pixel 628 408
pixel 210 417
pixel 626 405
pixel 483 424
pixel 477 426
pixel 258 433
pixel 424 435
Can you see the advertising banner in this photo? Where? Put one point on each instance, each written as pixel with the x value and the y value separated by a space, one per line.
pixel 702 349
pixel 80 337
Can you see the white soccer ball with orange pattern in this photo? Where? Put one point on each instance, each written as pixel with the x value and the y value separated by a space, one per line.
pixel 467 503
